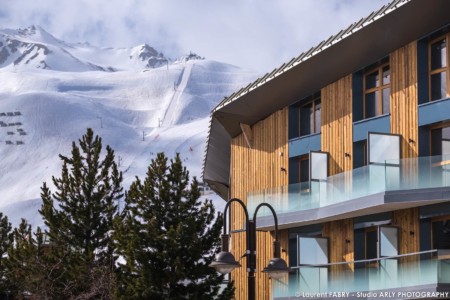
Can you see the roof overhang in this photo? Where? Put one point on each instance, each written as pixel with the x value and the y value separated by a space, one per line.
pixel 215 169
pixel 378 35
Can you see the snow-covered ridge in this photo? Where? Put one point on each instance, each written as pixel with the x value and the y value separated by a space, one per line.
pixel 138 110
pixel 33 47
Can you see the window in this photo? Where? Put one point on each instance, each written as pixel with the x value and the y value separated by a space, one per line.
pixel 304 168
pixel 359 154
pixel 440 151
pixel 440 232
pixel 305 117
pixel 388 243
pixel 318 169
pixel 310 117
pixel 312 250
pixel 383 147
pixel 377 91
pixel 438 68
pixel 299 171
pixel 440 141
pixel 313 231
pixel 381 241
pixel 371 243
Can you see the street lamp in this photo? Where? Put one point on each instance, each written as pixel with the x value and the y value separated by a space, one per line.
pixel 225 262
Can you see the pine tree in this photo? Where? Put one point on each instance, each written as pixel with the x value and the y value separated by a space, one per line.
pixel 34 273
pixel 6 240
pixel 20 256
pixel 24 266
pixel 79 215
pixel 167 238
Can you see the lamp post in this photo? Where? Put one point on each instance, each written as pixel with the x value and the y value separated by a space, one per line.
pixel 225 262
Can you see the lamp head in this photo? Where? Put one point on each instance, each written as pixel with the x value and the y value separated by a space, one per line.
pixel 224 262
pixel 277 268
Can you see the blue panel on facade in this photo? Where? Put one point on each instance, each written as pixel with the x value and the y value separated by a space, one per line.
pixel 433 112
pixel 378 124
pixel 303 145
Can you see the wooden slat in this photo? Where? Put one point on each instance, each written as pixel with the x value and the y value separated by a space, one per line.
pixel 248 135
pixel 340 234
pixel 337 140
pixel 337 124
pixel 404 109
pixel 408 222
pixel 263 166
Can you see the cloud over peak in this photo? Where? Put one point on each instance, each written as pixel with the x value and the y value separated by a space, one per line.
pixel 254 34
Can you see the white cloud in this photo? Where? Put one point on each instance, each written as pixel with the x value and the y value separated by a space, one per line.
pixel 259 35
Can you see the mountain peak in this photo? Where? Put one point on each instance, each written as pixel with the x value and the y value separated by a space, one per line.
pixel 37 34
pixel 190 56
pixel 31 30
pixel 148 55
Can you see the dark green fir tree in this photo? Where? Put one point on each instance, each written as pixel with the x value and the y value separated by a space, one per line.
pixel 26 265
pixel 167 237
pixel 6 240
pixel 79 217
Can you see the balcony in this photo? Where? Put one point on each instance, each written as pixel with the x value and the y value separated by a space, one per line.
pixel 396 277
pixel 371 189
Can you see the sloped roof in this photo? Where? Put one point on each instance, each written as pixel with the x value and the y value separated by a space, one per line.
pixel 362 43
pixel 313 51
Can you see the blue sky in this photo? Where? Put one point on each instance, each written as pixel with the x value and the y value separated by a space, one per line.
pixel 254 34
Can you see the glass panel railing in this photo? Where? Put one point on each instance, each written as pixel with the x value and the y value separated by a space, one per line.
pixel 376 275
pixel 357 183
pixel 418 173
pixel 293 197
pixel 404 174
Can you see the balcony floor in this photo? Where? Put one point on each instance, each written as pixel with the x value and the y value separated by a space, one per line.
pixel 372 204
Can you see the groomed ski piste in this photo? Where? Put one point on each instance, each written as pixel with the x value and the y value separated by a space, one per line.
pixel 139 103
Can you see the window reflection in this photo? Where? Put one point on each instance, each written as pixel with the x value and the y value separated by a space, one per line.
pixel 438 69
pixel 377 92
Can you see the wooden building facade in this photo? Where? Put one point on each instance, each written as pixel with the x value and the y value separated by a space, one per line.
pixel 381 114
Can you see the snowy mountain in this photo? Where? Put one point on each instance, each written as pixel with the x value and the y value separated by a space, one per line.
pixel 138 101
pixel 34 47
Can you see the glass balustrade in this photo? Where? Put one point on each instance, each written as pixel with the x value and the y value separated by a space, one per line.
pixel 357 278
pixel 404 174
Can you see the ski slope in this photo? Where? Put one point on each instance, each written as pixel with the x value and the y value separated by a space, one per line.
pixel 135 111
pixel 179 90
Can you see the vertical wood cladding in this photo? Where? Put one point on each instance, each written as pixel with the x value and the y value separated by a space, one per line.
pixel 404 121
pixel 408 222
pixel 337 124
pixel 263 166
pixel 340 234
pixel 404 109
pixel 337 140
